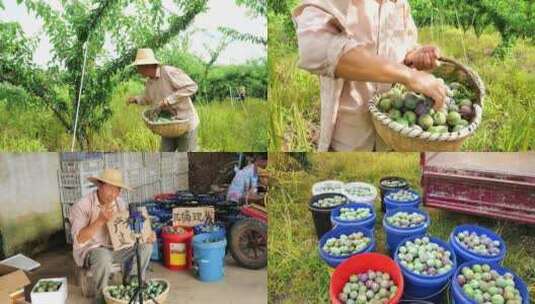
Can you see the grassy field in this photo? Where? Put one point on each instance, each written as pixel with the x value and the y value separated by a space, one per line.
pixel 296 274
pixel 509 111
pixel 225 126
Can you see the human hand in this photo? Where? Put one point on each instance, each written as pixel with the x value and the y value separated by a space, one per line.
pixel 163 104
pixel 423 58
pixel 105 214
pixel 428 85
pixel 151 238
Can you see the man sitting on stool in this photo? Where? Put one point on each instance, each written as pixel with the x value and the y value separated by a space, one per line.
pixel 92 246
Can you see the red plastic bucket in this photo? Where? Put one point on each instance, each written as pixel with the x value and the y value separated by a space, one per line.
pixel 177 250
pixel 363 262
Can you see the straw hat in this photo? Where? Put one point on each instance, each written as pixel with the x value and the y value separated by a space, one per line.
pixel 145 57
pixel 110 176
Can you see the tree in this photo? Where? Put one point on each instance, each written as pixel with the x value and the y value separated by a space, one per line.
pixel 130 24
pixel 257 8
pixel 512 19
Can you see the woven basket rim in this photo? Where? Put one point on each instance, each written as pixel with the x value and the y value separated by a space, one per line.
pixel 106 291
pixel 150 122
pixel 410 132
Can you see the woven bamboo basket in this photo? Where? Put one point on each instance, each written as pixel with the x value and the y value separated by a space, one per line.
pixel 407 139
pixel 170 129
pixel 160 299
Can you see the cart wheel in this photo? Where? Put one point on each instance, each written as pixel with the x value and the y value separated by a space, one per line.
pixel 248 243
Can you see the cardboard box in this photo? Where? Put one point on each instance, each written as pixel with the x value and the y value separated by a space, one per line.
pixel 12 280
pixel 18 297
pixel 121 235
pixel 191 216
pixel 54 297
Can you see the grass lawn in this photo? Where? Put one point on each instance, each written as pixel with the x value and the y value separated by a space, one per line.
pixel 296 274
pixel 225 126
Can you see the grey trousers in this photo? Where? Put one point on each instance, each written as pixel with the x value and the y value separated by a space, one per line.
pixel 184 143
pixel 100 261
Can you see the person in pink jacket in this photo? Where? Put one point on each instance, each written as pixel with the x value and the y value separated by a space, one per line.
pixel 359 48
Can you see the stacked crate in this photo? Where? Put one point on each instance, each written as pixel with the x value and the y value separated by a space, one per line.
pixel 151 187
pixel 75 168
pixel 174 172
pixel 131 166
pixel 141 172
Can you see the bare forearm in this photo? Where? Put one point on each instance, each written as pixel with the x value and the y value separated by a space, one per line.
pixel 361 65
pixel 85 234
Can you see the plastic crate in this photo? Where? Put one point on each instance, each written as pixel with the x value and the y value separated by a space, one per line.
pixel 134 177
pixel 171 183
pixel 134 196
pixel 80 155
pixel 113 160
pixel 68 236
pixel 151 159
pixel 174 163
pixel 123 161
pixel 151 175
pixel 76 180
pixel 66 208
pixel 132 160
pixel 167 183
pixel 182 163
pixel 151 190
pixel 72 195
pixel 168 166
pixel 182 180
pixel 90 165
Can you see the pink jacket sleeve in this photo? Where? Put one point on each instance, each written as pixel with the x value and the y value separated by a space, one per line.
pixel 320 42
pixel 412 30
pixel 79 219
pixel 184 86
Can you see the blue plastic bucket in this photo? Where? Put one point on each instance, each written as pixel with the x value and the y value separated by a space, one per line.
pixel 393 204
pixel 156 254
pixel 366 223
pixel 209 257
pixel 426 287
pixel 459 297
pixel 464 255
pixel 395 235
pixel 216 230
pixel 332 260
pixel 384 189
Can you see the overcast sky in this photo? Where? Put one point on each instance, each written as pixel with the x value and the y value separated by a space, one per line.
pixel 220 13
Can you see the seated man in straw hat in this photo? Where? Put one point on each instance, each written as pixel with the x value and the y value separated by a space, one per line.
pixel 92 247
pixel 169 89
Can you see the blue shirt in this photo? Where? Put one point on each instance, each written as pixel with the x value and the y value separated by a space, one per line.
pixel 245 180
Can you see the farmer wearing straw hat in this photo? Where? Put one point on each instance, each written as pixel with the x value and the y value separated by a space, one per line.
pixel 169 89
pixel 92 246
pixel 359 48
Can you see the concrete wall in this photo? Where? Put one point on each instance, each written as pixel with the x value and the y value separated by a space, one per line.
pixel 30 210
